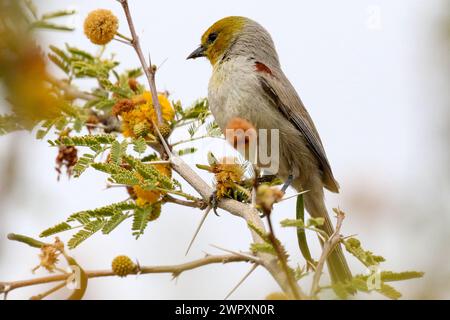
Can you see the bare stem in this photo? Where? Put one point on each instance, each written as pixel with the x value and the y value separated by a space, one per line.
pixel 197 203
pixel 148 70
pixel 176 270
pixel 328 247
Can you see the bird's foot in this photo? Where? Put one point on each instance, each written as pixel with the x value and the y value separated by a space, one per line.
pixel 214 202
pixel 287 183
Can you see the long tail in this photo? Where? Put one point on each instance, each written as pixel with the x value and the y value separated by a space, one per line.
pixel 337 265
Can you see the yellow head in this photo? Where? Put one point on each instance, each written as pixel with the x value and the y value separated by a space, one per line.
pixel 218 38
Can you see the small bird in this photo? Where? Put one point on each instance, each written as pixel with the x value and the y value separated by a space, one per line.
pixel 247 83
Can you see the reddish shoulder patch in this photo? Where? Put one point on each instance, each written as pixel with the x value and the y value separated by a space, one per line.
pixel 261 67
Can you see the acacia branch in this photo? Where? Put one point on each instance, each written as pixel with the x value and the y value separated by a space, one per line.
pixel 197 203
pixel 328 247
pixel 149 71
pixel 245 211
pixel 175 270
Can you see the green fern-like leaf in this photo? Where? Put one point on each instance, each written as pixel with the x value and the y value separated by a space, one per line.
pixel 293 223
pixel 353 246
pixel 340 290
pixel 88 140
pixel 89 229
pixel 60 53
pixel 60 227
pixel 59 62
pixel 139 145
pixel 389 276
pixel 199 111
pixel 359 284
pixel 46 127
pixel 110 168
pixel 186 151
pixel 192 129
pixel 10 123
pixel 57 14
pixel 213 129
pixel 118 150
pixel 140 220
pixel 389 292
pixel 41 24
pixel 82 164
pixel 78 54
pixel 149 173
pixel 125 178
pixel 115 221
pixel 107 211
pixel 315 222
pixel 134 73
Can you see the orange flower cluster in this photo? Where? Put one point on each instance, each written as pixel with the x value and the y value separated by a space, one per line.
pixel 49 255
pixel 227 172
pixel 138 114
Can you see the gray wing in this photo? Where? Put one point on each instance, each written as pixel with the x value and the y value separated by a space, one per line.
pixel 284 96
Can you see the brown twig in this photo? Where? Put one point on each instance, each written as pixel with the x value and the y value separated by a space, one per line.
pixel 49 292
pixel 176 270
pixel 149 71
pixel 328 247
pixel 197 203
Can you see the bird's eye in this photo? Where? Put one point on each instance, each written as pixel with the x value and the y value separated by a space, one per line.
pixel 212 37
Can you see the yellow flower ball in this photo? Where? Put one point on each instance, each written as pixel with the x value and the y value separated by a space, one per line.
pixel 143 115
pixel 100 26
pixel 168 113
pixel 123 266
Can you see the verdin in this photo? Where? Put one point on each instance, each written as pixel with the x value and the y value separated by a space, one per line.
pixel 247 82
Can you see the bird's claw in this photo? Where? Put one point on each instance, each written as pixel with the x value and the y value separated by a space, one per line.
pixel 214 202
pixel 287 183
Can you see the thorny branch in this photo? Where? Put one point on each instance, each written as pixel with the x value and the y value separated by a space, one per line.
pixel 148 70
pixel 328 247
pixel 175 270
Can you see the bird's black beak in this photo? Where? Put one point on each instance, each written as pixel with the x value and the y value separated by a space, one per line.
pixel 197 53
